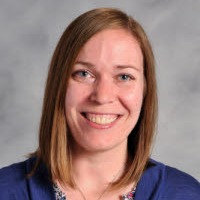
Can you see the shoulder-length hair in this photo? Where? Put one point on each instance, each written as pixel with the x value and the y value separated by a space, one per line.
pixel 54 144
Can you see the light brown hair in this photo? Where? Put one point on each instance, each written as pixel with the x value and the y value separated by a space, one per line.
pixel 54 145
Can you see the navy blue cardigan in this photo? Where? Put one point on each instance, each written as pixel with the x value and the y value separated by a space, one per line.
pixel 158 182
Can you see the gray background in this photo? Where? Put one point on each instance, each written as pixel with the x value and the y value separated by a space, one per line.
pixel 29 32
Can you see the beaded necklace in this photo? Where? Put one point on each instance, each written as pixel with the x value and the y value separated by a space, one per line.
pixel 61 196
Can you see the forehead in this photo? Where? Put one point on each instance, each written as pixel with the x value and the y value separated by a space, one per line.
pixel 118 46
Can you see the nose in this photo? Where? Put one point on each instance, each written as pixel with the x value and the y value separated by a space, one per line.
pixel 104 92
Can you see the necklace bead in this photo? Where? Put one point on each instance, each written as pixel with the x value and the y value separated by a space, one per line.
pixel 61 196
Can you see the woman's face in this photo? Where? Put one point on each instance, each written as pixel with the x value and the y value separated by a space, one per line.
pixel 105 91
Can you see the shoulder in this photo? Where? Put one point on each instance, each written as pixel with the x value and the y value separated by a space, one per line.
pixel 15 183
pixel 181 184
pixel 16 171
pixel 13 180
pixel 175 184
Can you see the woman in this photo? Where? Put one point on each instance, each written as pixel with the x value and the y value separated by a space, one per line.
pixel 98 120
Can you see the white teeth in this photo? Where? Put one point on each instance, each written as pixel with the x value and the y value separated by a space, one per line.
pixel 101 119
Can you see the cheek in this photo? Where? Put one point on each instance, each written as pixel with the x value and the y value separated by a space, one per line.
pixel 133 100
pixel 70 99
pixel 73 93
pixel 76 95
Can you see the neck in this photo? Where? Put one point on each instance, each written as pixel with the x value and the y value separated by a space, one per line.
pixel 94 172
pixel 97 169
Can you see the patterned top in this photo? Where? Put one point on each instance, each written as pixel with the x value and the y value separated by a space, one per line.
pixel 61 196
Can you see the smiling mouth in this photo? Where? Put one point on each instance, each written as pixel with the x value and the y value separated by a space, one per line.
pixel 101 119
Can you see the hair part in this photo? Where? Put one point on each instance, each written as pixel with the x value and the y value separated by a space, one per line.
pixel 54 146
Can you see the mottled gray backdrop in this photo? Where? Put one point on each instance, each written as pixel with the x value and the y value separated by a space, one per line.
pixel 29 31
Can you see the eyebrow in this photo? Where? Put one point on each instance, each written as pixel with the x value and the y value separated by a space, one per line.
pixel 127 66
pixel 90 65
pixel 87 64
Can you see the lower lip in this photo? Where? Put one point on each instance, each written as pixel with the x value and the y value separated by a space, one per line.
pixel 101 126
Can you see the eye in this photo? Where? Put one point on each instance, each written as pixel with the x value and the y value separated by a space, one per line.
pixel 83 76
pixel 126 77
pixel 81 73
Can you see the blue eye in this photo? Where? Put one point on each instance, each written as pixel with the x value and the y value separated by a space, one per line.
pixel 83 76
pixel 125 77
pixel 82 73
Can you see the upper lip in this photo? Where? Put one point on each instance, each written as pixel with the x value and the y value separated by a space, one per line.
pixel 101 113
